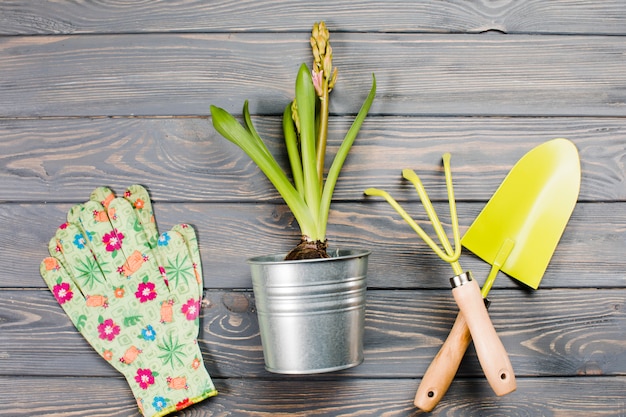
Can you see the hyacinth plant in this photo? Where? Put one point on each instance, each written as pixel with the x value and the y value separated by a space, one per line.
pixel 305 128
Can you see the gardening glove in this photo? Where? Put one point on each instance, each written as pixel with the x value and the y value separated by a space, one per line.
pixel 134 297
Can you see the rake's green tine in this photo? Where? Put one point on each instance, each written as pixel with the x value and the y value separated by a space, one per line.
pixel 393 203
pixel 432 215
pixel 449 254
pixel 453 215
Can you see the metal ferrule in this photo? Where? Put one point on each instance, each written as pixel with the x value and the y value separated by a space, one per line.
pixel 461 279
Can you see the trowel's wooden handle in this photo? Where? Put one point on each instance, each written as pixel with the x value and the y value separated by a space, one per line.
pixel 442 369
pixel 491 353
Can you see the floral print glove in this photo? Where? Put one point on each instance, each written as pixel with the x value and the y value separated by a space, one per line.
pixel 134 296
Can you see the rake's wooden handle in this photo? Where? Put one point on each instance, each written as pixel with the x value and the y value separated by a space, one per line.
pixel 442 369
pixel 490 351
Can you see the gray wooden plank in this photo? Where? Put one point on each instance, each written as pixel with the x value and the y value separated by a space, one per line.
pixel 185 159
pixel 536 16
pixel 156 67
pixel 64 397
pixel 564 332
pixel 181 74
pixel 590 253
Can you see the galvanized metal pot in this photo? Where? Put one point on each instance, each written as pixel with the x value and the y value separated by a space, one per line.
pixel 311 312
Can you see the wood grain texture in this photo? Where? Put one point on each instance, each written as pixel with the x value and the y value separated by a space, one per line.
pixel 185 159
pixel 113 93
pixel 590 253
pixel 333 397
pixel 565 333
pixel 182 74
pixel 535 16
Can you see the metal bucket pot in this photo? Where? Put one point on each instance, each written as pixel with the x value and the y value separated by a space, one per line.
pixel 311 312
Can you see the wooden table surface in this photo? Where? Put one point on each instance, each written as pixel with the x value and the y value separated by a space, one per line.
pixel 118 92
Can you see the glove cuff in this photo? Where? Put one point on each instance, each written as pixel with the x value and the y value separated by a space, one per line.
pixel 173 393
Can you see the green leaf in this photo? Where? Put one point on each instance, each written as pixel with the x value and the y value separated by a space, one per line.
pixel 177 270
pixel 309 200
pixel 173 351
pixel 82 320
pixel 132 320
pixel 305 97
pixel 89 272
pixel 137 227
pixel 248 120
pixel 291 142
pixel 233 131
pixel 342 154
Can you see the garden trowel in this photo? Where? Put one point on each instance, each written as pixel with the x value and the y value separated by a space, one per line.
pixel 517 233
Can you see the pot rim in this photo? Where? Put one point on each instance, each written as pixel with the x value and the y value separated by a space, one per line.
pixel 336 254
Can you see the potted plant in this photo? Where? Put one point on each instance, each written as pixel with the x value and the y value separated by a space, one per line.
pixel 311 301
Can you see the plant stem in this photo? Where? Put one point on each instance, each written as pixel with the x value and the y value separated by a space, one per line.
pixel 322 135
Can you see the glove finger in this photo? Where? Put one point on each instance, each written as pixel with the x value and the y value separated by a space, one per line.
pixel 139 198
pixel 103 195
pixel 106 243
pixel 55 248
pixel 63 287
pixel 83 310
pixel 71 249
pixel 189 235
pixel 139 259
pixel 182 282
pixel 178 265
pixel 73 302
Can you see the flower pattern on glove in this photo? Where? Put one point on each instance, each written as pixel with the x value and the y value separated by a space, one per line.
pixel 62 292
pixel 113 240
pixel 191 309
pixel 148 333
pixel 145 292
pixel 144 378
pixel 108 330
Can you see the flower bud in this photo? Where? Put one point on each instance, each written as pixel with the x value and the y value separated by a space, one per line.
pixel 317 82
pixel 333 79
